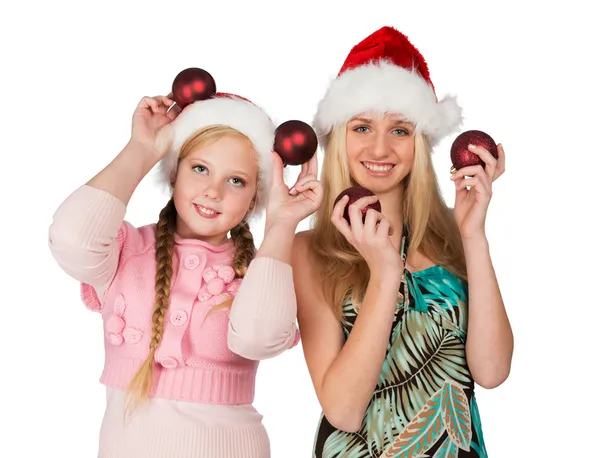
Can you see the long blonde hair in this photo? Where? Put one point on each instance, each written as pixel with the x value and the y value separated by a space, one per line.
pixel 430 222
pixel 141 384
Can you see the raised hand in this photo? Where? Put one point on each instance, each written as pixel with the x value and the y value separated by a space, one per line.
pixel 151 124
pixel 371 239
pixel 292 205
pixel 474 191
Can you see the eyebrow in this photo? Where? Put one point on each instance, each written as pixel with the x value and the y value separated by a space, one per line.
pixel 365 120
pixel 397 122
pixel 234 172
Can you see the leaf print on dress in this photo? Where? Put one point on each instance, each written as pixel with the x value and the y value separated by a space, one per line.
pixel 421 433
pixel 341 444
pixel 447 450
pixel 422 357
pixel 447 411
pixel 456 415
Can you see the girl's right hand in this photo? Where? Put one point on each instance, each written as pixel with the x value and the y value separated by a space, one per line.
pixel 371 239
pixel 151 124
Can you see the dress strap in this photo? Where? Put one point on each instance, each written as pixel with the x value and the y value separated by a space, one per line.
pixel 404 245
pixel 404 294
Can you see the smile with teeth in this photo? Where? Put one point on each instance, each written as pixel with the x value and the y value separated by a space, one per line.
pixel 205 210
pixel 380 168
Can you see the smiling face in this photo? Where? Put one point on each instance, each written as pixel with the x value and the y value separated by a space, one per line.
pixel 215 187
pixel 380 151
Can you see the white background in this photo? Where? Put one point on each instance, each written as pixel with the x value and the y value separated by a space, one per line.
pixel 73 72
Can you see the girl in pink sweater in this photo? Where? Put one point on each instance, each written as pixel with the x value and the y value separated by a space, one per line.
pixel 183 332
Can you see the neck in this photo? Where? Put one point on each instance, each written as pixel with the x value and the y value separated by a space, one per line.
pixel 185 232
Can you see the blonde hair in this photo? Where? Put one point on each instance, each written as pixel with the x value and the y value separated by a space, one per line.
pixel 430 222
pixel 141 384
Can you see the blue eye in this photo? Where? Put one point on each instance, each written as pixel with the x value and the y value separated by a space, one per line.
pixel 358 129
pixel 401 131
pixel 199 169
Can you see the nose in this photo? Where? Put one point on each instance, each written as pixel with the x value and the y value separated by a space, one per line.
pixel 213 191
pixel 380 146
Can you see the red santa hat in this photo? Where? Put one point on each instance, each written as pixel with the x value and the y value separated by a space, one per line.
pixel 385 73
pixel 236 112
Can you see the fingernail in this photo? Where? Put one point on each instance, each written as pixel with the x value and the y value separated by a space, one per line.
pixel 472 146
pixel 293 189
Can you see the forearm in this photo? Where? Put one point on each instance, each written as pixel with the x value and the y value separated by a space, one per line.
pixel 122 176
pixel 262 321
pixel 350 381
pixel 489 339
pixel 278 241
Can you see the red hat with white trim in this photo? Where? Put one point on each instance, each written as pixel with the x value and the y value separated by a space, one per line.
pixel 385 73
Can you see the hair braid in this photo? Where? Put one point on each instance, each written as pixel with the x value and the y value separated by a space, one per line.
pixel 141 383
pixel 244 248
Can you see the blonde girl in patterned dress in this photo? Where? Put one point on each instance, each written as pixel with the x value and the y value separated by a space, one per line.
pixel 400 314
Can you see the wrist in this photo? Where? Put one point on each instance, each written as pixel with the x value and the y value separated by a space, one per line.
pixel 280 226
pixel 278 242
pixel 387 277
pixel 143 150
pixel 141 154
pixel 475 242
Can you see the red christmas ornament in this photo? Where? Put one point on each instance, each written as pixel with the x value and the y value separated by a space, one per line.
pixel 295 142
pixel 355 193
pixel 459 151
pixel 193 84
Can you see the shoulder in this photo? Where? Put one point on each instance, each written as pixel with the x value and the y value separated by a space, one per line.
pixel 302 238
pixel 305 264
pixel 302 249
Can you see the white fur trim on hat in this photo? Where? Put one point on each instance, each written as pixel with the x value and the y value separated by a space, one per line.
pixel 381 88
pixel 236 113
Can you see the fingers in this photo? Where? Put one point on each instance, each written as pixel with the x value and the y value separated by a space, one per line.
pixel 472 176
pixel 384 228
pixel 307 184
pixel 355 212
pixel 301 180
pixel 481 186
pixel 277 170
pixel 469 171
pixel 159 104
pixel 501 164
pixel 338 220
pixel 489 160
pixel 372 219
pixel 165 100
pixel 149 102
pixel 313 165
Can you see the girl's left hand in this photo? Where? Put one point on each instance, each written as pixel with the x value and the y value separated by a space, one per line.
pixel 292 205
pixel 471 205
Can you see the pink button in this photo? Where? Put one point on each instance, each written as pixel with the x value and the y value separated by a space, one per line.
pixel 178 318
pixel 191 262
pixel 168 362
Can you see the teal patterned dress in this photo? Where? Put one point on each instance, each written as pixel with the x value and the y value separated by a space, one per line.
pixel 424 402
